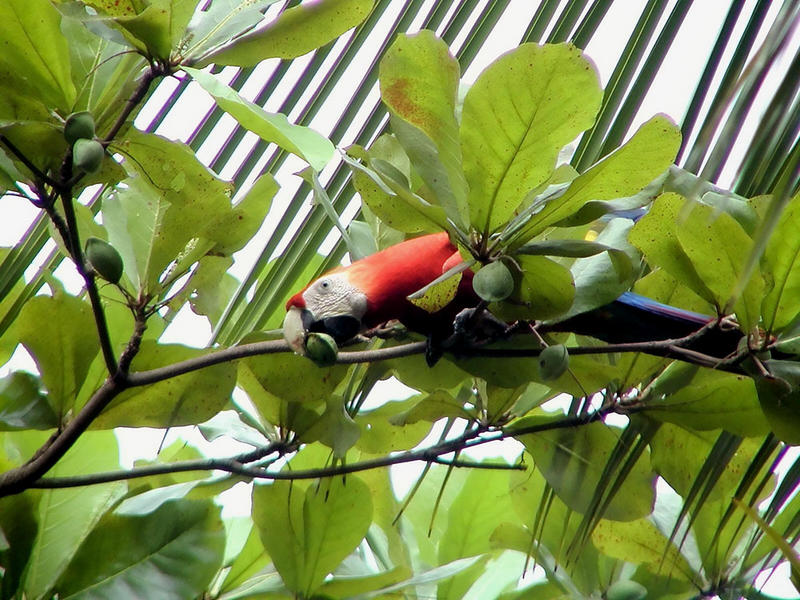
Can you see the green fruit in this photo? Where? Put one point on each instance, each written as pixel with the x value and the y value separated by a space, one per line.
pixel 104 259
pixel 493 282
pixel 626 590
pixel 553 362
pixel 79 125
pixel 321 348
pixel 87 155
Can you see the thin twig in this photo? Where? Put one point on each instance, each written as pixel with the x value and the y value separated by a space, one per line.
pixel 471 438
pixel 74 247
pixel 156 70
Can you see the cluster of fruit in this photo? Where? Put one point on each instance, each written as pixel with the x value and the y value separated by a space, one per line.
pixel 87 152
pixel 87 157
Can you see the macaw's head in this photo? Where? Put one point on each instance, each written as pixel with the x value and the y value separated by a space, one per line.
pixel 331 304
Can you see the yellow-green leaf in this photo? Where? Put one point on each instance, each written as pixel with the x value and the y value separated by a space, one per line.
pixel 517 116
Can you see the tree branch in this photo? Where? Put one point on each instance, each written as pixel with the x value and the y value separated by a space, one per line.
pixel 259 348
pixel 235 465
pixel 19 479
pixel 37 173
pixel 667 348
pixel 74 246
pixel 155 71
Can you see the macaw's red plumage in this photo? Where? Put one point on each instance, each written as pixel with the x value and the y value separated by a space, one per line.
pixel 375 289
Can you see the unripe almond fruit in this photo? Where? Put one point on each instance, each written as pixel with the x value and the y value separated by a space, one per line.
pixel 87 155
pixel 321 348
pixel 553 362
pixel 79 125
pixel 104 259
pixel 493 282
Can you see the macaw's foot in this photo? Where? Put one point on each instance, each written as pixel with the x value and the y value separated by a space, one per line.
pixel 472 328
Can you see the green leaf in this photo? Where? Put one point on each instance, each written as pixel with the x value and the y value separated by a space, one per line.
pixel 64 349
pixel 545 290
pixel 175 200
pixel 35 57
pixel 187 399
pixel 18 525
pixel 155 27
pixel 42 143
pixel 678 455
pixel 22 405
pixel 424 407
pixel 219 23
pixel 67 517
pixel 546 590
pixel 711 400
pixel 517 116
pixel 426 512
pixel 248 561
pixel 179 546
pixel 553 526
pixel 622 173
pixel 415 373
pixel 295 32
pixel 571 248
pixel 481 503
pixel 419 85
pixel 639 542
pixel 397 426
pixel 211 287
pixel 426 577
pixel 437 295
pixel 718 535
pixel 293 378
pixel 103 73
pixel 9 174
pixel 782 254
pixel 352 587
pixel 586 374
pixel 388 195
pixel 656 236
pixel 234 229
pixel 308 534
pixel 574 462
pixel 335 428
pixel 780 402
pixel 306 143
pixel 600 279
pixel 785 547
pixel 362 242
pixel 719 248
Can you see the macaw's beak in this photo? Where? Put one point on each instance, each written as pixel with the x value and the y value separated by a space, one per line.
pixel 296 324
pixel 299 321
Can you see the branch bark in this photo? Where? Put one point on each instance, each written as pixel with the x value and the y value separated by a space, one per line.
pixel 479 435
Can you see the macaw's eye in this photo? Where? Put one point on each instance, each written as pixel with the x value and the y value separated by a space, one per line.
pixel 341 328
pixel 325 284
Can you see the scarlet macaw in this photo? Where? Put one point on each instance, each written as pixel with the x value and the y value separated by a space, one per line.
pixel 374 290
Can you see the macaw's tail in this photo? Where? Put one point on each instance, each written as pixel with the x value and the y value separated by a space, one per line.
pixel 633 318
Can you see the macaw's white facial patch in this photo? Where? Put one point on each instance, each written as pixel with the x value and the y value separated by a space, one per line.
pixel 333 295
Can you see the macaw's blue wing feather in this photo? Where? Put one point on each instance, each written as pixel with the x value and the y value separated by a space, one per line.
pixel 634 318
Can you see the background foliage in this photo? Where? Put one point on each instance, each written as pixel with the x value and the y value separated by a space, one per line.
pixel 664 476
